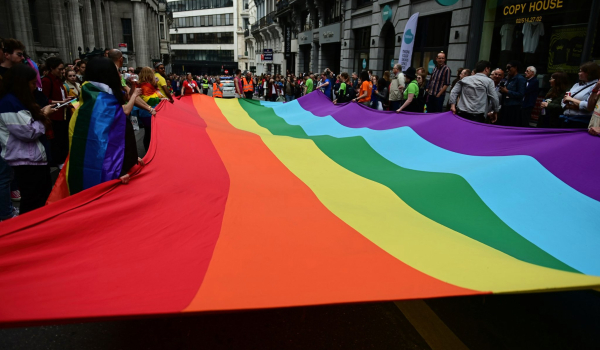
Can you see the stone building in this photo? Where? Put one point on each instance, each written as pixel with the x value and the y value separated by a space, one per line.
pixel 352 35
pixel 62 27
pixel 205 35
pixel 267 38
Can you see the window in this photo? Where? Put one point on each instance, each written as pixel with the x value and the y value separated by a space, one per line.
pixel 203 38
pixel 362 3
pixel 161 20
pixel 305 24
pixel 190 5
pixel 205 21
pixel 203 55
pixel 34 21
pixel 433 33
pixel 127 32
pixel 333 11
pixel 361 48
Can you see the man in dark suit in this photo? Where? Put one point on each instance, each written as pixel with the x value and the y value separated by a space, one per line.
pixel 532 90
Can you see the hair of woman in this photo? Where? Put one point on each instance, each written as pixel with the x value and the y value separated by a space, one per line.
pixel 364 76
pixel 103 70
pixel 561 85
pixel 147 76
pixel 16 81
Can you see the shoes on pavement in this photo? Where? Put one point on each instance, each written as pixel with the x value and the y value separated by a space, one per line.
pixel 15 195
pixel 15 213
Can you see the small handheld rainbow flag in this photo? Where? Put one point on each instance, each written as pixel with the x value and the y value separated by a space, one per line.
pixel 96 142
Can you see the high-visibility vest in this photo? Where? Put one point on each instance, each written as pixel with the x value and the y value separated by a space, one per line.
pixel 218 92
pixel 248 86
pixel 204 83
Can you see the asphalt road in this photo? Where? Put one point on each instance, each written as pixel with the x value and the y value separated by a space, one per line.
pixel 565 320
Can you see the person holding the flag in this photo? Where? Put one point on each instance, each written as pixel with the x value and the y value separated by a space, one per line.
pixel 22 123
pixel 101 140
pixel 152 96
pixel 189 86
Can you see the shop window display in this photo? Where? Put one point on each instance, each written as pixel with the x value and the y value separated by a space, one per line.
pixel 547 34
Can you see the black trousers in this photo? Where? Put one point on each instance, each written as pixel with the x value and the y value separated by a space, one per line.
pixel 59 145
pixel 35 185
pixel 205 91
pixel 525 116
pixel 474 117
pixel 248 94
pixel 510 116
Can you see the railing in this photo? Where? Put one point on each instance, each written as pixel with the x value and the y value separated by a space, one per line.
pixel 282 5
pixel 254 27
pixel 263 22
pixel 247 33
pixel 271 18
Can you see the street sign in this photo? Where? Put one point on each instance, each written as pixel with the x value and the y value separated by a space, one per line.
pixel 123 47
pixel 267 55
pixel 364 63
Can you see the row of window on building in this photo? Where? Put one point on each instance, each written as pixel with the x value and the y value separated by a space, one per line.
pixel 202 38
pixel 190 5
pixel 224 19
pixel 203 55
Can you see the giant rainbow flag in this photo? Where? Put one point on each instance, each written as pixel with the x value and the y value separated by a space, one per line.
pixel 245 204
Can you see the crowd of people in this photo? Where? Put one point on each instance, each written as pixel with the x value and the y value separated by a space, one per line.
pixel 37 103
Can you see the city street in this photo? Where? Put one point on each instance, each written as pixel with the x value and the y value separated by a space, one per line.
pixel 562 320
pixel 557 320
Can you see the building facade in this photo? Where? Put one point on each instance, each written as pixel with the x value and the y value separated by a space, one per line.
pixel 355 35
pixel 267 38
pixel 70 27
pixel 204 36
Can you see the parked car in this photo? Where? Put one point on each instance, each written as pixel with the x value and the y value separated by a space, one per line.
pixel 228 89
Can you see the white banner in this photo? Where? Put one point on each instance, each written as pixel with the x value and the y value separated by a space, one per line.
pixel 408 41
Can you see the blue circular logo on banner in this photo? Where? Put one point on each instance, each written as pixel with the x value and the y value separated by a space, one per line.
pixel 364 63
pixel 408 36
pixel 446 2
pixel 430 66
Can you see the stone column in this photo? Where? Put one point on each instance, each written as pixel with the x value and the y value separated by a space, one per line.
pixel 21 24
pixel 75 28
pixel 140 34
pixel 88 25
pixel 117 27
pixel 148 36
pixel 108 25
pixel 153 31
pixel 100 20
pixel 56 9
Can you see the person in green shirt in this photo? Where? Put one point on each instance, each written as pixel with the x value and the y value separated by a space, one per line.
pixel 411 92
pixel 342 93
pixel 309 84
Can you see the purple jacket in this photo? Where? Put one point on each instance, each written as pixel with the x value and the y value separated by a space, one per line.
pixel 19 134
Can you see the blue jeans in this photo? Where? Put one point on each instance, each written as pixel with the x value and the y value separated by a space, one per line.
pixel 6 176
pixel 289 98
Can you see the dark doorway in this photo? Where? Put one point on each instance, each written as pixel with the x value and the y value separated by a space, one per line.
pixel 388 33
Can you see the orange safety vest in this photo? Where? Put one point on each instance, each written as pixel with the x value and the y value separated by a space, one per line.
pixel 248 87
pixel 218 93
